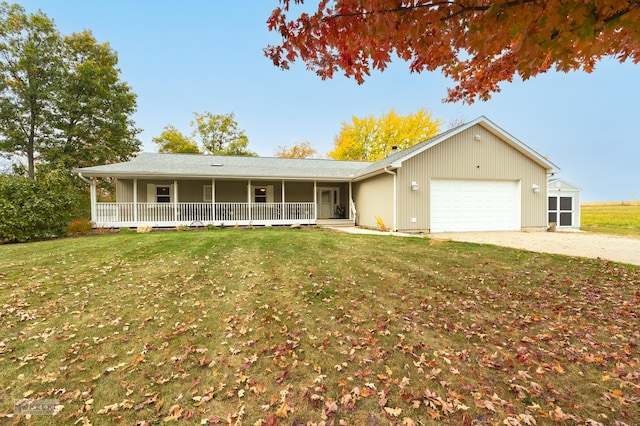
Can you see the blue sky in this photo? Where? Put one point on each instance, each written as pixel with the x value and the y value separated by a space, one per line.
pixel 197 55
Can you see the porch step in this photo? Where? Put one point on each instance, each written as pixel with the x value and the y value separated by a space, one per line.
pixel 335 223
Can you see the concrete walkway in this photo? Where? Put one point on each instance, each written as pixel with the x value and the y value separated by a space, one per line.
pixel 581 244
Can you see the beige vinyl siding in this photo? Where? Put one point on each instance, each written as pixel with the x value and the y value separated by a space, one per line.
pixel 124 190
pixel 298 192
pixel 462 157
pixel 142 189
pixel 374 197
pixel 192 191
pixel 277 188
pixel 231 191
pixel 188 191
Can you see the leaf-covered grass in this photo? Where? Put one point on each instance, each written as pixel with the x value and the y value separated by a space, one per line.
pixel 608 218
pixel 273 326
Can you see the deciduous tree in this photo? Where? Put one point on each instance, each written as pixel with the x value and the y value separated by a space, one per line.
pixel 93 108
pixel 299 150
pixel 61 98
pixel 477 43
pixel 30 76
pixel 172 140
pixel 219 134
pixel 372 139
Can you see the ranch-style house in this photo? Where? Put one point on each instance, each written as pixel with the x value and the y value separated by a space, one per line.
pixel 475 177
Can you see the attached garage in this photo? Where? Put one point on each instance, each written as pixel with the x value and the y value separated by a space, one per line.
pixel 459 205
pixel 475 177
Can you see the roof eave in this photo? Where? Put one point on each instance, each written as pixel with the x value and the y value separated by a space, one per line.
pixel 165 176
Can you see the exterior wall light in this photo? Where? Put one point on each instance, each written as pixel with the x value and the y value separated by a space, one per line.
pixel 535 188
pixel 414 185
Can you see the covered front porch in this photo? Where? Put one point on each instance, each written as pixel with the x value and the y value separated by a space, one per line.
pixel 170 203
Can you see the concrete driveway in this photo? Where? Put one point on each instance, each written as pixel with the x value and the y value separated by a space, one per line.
pixel 609 247
pixel 618 249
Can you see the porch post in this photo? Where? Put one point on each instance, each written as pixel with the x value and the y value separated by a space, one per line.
pixel 350 200
pixel 213 198
pixel 94 206
pixel 175 201
pixel 315 201
pixel 135 199
pixel 249 198
pixel 283 205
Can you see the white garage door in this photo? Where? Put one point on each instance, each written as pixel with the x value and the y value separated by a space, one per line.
pixel 474 205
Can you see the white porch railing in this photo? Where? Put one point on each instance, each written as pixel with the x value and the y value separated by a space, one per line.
pixel 172 214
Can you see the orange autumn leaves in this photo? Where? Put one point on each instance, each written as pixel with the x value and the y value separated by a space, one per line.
pixel 477 43
pixel 325 329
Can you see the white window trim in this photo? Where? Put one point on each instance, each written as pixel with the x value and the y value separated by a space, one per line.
pixel 269 193
pixel 152 192
pixel 558 210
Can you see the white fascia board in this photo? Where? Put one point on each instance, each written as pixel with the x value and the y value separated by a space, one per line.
pixel 153 175
pixel 517 144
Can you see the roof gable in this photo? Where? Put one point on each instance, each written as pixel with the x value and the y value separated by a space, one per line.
pixel 396 159
pixel 561 184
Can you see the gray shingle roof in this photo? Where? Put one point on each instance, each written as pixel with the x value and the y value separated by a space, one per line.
pixel 196 165
pixel 210 166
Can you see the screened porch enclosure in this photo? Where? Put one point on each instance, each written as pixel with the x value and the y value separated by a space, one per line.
pixel 168 203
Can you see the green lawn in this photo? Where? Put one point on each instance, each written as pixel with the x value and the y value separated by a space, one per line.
pixel 619 219
pixel 271 326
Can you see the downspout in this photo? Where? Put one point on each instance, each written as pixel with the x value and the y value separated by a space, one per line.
pixel 351 202
pixel 395 202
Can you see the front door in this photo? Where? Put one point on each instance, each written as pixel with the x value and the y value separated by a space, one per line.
pixel 327 201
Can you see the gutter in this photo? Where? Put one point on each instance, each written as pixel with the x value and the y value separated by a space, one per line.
pixel 171 176
pixel 395 202
pixel 84 179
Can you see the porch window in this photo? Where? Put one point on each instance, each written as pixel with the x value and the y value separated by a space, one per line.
pixel 260 194
pixel 163 194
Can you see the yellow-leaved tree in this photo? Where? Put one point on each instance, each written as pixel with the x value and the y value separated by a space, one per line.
pixel 372 139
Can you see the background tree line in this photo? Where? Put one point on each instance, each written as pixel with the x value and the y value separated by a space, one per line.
pixel 363 139
pixel 372 138
pixel 215 134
